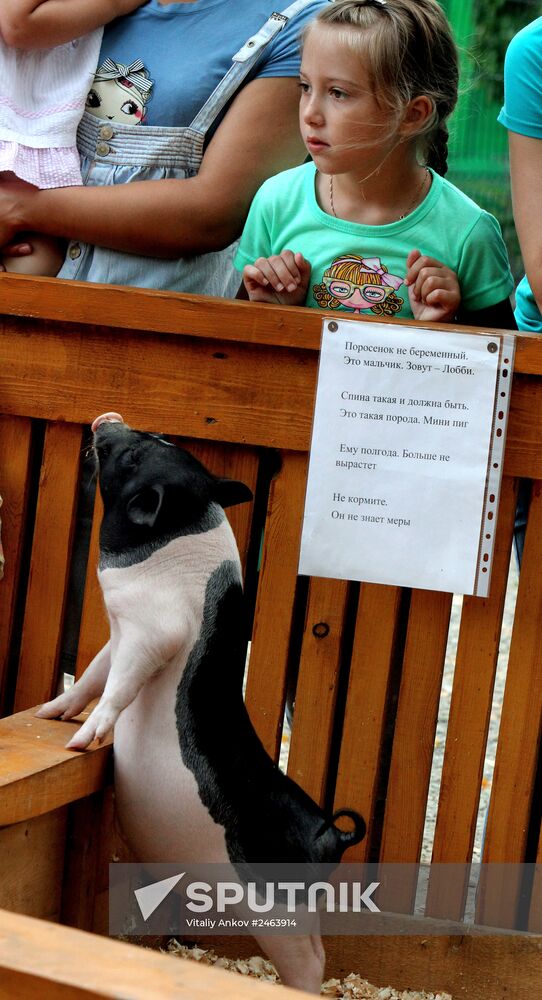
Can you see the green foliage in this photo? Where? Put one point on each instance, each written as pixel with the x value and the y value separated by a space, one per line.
pixel 496 22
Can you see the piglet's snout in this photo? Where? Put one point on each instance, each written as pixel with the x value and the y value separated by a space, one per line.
pixel 109 418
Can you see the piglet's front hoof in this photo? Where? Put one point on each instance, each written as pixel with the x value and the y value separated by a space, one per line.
pixel 66 706
pixel 82 741
pixel 95 728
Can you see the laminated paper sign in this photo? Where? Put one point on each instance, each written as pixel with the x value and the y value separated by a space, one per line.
pixel 406 456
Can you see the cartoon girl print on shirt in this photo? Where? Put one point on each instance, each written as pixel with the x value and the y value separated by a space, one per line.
pixel 361 284
pixel 120 93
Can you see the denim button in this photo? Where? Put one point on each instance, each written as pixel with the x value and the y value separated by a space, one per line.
pixel 106 132
pixel 103 149
pixel 75 251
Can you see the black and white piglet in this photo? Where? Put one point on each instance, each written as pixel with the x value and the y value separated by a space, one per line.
pixel 193 782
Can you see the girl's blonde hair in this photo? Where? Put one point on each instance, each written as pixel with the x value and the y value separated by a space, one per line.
pixel 409 51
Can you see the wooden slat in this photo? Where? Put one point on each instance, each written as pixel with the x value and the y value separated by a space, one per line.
pixel 43 961
pixel 201 316
pixel 466 966
pixel 112 847
pixel 468 723
pixel 84 832
pixel 247 394
pixel 520 729
pixel 414 736
pixel 15 441
pixel 37 773
pixel 535 909
pixel 267 674
pixel 31 882
pixel 365 717
pixel 209 393
pixel 316 691
pixel 166 312
pixel 94 628
pixel 49 567
pixel 523 456
pixel 233 463
pixel 519 734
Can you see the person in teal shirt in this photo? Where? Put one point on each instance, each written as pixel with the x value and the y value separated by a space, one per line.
pixel 522 116
pixel 370 226
pixel 373 258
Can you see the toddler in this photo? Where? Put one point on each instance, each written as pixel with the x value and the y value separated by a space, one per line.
pixel 48 55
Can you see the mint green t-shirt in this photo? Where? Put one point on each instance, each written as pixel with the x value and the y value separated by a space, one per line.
pixel 361 269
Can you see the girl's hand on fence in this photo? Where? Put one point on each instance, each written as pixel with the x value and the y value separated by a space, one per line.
pixel 283 279
pixel 433 289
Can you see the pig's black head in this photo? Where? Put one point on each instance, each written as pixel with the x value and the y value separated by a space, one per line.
pixel 153 491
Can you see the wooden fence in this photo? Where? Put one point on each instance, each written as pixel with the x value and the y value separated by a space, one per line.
pixel 236 382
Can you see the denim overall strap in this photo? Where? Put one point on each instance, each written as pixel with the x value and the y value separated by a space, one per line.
pixel 143 146
pixel 242 63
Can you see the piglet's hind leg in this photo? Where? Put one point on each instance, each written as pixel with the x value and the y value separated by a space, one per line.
pixel 299 960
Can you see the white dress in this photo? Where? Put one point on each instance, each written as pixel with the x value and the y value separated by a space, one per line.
pixel 42 99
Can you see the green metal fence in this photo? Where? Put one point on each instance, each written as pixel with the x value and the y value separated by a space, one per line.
pixel 478 156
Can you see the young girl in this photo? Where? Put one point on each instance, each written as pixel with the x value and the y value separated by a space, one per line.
pixel 42 97
pixel 372 225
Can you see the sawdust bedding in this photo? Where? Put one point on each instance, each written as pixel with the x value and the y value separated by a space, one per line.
pixel 352 986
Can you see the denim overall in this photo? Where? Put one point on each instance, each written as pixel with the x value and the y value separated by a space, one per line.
pixel 114 153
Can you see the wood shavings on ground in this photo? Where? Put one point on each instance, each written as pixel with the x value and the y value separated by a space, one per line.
pixel 352 987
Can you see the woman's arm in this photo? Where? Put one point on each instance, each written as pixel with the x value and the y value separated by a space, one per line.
pixel 41 24
pixel 170 218
pixel 526 178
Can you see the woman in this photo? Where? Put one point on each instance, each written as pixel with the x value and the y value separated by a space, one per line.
pixel 522 116
pixel 174 154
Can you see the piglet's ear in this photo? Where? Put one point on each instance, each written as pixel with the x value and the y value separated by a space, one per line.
pixel 144 507
pixel 228 492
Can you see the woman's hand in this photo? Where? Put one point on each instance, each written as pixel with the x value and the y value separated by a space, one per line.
pixel 433 289
pixel 283 279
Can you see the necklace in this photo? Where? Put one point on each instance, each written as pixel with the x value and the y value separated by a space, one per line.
pixel 408 209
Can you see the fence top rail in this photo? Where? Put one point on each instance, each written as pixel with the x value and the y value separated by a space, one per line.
pixel 41 959
pixel 197 316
